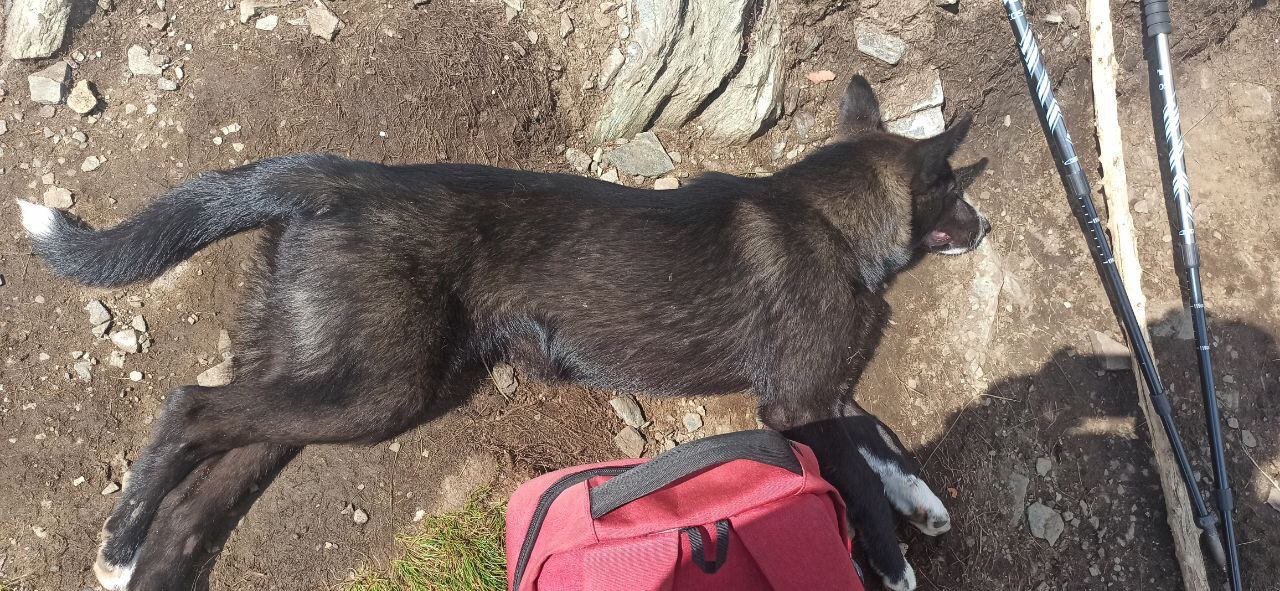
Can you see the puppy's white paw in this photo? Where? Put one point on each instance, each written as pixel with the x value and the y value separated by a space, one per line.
pixel 910 496
pixel 113 577
pixel 932 520
pixel 906 583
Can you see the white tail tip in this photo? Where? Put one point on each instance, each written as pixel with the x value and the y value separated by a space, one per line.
pixel 37 219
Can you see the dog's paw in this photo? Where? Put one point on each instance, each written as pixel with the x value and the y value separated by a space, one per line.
pixel 112 577
pixel 932 519
pixel 905 582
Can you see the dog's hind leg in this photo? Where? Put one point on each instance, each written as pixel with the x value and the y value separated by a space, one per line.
pixel 195 519
pixel 198 422
pixel 161 465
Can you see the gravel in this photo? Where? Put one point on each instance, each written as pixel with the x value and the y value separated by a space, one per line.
pixel 1110 354
pixel 84 370
pixel 126 340
pixel 642 156
pixel 630 441
pixel 58 197
pixel 627 409
pixel 322 22
pixel 579 160
pixel 142 63
pixel 49 86
pixel 98 312
pixel 1017 487
pixel 82 99
pixel 692 422
pixel 218 375
pixel 880 44
pixel 504 377
pixel 1045 522
pixel 267 23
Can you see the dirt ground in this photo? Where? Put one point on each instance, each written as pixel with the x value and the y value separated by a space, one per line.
pixel 987 372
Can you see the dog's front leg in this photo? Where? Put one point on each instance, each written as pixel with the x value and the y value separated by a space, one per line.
pixel 870 513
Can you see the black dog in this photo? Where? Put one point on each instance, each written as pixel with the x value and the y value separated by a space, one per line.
pixel 384 287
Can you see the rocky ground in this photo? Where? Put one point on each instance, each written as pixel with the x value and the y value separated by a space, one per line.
pixel 997 370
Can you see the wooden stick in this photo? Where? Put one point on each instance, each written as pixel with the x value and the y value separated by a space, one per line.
pixel 1186 539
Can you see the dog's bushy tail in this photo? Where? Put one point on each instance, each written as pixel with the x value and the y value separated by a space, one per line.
pixel 185 220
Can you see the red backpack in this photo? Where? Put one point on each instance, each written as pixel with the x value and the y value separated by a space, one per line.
pixel 742 511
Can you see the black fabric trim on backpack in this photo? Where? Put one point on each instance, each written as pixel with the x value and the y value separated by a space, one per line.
pixel 759 445
pixel 699 554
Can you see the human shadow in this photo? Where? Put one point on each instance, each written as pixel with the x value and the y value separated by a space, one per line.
pixel 1071 438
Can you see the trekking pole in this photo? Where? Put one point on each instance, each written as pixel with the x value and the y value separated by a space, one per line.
pixel 1164 107
pixel 1077 186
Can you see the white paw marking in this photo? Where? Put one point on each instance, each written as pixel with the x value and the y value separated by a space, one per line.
pixel 910 496
pixel 37 219
pixel 906 583
pixel 113 577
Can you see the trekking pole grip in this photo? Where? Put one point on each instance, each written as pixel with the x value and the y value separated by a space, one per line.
pixel 1155 15
pixel 760 445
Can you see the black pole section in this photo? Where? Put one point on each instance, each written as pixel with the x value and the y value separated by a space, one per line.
pixel 1077 186
pixel 1164 107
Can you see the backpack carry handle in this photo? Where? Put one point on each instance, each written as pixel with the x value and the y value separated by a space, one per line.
pixel 759 445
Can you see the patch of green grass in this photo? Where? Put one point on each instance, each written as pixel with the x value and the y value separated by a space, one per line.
pixel 459 551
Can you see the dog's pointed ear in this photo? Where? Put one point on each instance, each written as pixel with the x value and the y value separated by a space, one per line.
pixel 967 175
pixel 928 157
pixel 859 109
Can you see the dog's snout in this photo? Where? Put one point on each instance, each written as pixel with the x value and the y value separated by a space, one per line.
pixel 984 224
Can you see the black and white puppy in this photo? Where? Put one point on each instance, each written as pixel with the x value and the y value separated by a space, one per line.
pixel 383 288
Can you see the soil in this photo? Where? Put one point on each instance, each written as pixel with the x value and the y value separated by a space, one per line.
pixel 986 372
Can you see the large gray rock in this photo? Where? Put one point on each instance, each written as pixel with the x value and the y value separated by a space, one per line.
pixel 35 27
pixel 680 55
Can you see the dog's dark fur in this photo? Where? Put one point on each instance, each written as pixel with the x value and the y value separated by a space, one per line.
pixel 383 288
